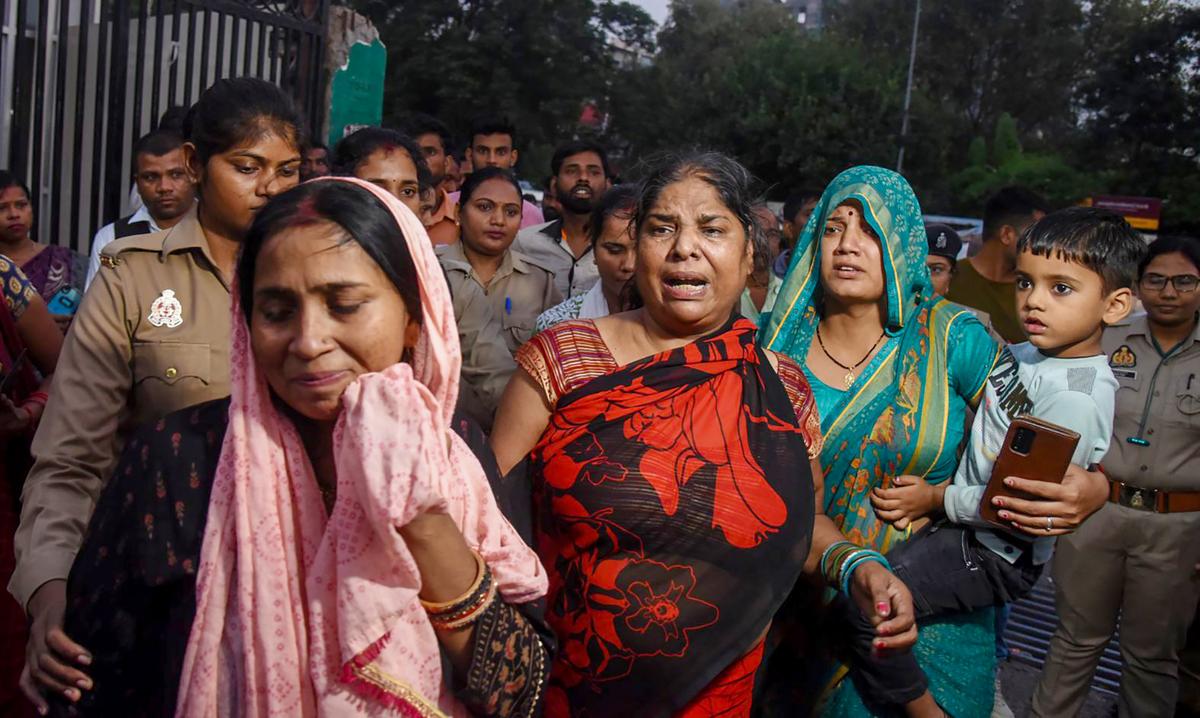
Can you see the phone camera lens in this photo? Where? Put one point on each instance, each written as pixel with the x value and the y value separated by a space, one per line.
pixel 1022 440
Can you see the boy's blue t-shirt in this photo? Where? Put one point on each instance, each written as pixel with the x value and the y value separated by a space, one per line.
pixel 1077 394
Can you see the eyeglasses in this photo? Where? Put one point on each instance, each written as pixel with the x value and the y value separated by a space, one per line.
pixel 1183 283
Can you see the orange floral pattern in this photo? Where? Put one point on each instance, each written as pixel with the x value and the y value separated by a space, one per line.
pixel 674 510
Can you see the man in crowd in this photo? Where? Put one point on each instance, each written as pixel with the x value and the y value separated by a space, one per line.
pixel 987 281
pixel 433 137
pixel 796 210
pixel 581 177
pixel 164 186
pixel 551 209
pixel 315 162
pixel 493 144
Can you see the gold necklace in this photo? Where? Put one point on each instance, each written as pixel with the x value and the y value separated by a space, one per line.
pixel 849 370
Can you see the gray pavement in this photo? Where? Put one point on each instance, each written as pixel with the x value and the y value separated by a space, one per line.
pixel 1018 681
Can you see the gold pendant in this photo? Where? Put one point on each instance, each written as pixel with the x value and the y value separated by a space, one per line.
pixel 849 379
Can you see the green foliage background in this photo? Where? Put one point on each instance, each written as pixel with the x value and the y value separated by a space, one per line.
pixel 1071 97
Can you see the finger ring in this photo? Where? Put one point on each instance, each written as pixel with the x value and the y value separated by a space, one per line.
pixel 1049 524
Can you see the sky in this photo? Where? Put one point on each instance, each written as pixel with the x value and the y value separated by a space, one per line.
pixel 656 8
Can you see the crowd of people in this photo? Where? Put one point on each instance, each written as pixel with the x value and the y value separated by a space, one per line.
pixel 369 430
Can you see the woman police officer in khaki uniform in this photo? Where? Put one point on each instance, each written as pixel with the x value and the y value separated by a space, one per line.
pixel 151 337
pixel 1137 555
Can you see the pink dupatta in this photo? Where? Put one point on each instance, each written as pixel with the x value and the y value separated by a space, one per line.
pixel 300 614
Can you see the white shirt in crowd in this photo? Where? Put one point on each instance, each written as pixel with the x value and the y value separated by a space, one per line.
pixel 105 237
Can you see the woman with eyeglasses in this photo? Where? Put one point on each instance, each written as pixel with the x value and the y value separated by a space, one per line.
pixel 1137 556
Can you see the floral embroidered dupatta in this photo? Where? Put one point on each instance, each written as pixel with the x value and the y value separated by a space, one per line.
pixel 674 512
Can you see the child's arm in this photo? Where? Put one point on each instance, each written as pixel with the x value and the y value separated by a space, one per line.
pixel 1072 410
pixel 910 498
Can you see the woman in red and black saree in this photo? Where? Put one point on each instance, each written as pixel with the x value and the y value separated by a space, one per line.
pixel 672 463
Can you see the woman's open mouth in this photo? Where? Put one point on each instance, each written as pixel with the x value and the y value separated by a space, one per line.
pixel 682 285
pixel 846 271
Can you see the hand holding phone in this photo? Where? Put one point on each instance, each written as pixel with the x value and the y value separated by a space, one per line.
pixel 1033 449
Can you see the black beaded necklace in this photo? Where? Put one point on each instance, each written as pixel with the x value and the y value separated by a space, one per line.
pixel 849 370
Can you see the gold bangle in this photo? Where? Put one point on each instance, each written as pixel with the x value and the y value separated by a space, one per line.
pixel 480 571
pixel 470 618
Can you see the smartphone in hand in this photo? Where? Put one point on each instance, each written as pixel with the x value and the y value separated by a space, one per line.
pixel 65 301
pixel 1033 449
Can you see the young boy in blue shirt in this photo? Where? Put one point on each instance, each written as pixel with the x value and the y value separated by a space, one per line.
pixel 1075 271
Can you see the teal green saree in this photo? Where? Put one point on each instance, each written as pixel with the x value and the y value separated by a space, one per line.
pixel 904 414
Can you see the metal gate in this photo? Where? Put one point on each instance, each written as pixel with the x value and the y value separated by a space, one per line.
pixel 81 80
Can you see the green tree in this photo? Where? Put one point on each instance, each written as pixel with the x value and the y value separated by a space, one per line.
pixel 1048 173
pixel 1141 103
pixel 535 61
pixel 794 107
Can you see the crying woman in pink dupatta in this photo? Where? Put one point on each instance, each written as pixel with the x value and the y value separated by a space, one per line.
pixel 344 502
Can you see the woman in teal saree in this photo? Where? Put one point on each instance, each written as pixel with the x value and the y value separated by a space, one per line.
pixel 901 411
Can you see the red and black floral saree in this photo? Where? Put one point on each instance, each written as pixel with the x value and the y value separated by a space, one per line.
pixel 673 509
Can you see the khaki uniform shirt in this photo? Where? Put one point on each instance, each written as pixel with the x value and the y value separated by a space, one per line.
pixel 518 293
pixel 487 365
pixel 544 245
pixel 150 337
pixel 1158 404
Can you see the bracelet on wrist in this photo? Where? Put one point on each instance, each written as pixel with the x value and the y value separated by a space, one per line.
pixel 833 560
pixel 454 622
pixel 467 608
pixel 449 606
pixel 855 562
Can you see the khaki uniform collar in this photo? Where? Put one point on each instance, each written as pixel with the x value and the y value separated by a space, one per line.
pixel 186 235
pixel 512 261
pixel 1140 325
pixel 1135 326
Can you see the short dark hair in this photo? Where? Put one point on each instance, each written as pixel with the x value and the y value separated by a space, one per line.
pixel 237 110
pixel 622 196
pixel 422 124
pixel 796 200
pixel 8 179
pixel 1012 206
pixel 1170 244
pixel 172 118
pixel 353 149
pixel 575 147
pixel 366 221
pixel 1099 239
pixel 492 125
pixel 157 144
pixel 315 145
pixel 478 177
